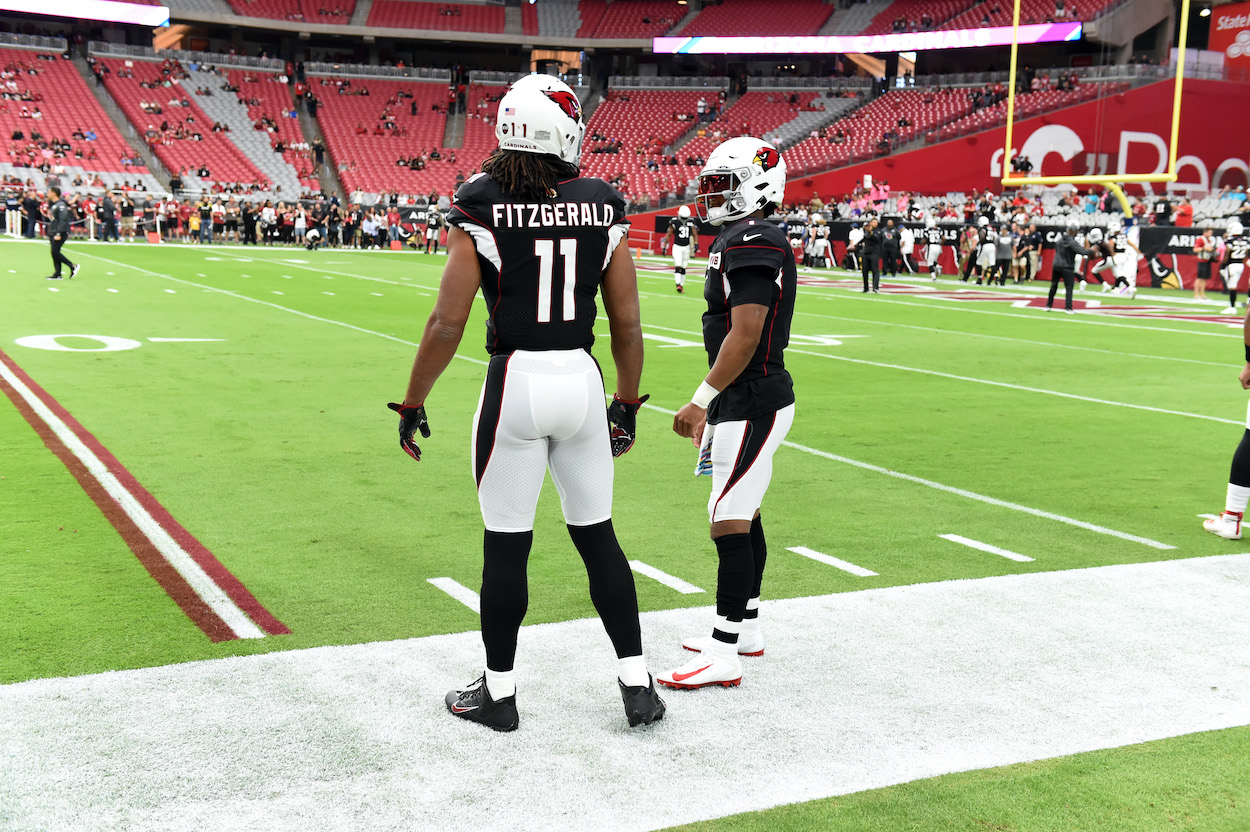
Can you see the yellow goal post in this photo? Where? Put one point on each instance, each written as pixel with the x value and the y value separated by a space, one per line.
pixel 1112 183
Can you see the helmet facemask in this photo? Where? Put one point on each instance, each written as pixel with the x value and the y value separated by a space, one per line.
pixel 720 195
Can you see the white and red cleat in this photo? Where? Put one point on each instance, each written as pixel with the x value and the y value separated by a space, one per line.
pixel 707 668
pixel 1227 525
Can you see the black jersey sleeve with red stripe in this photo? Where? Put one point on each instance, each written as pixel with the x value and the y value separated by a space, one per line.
pixel 755 253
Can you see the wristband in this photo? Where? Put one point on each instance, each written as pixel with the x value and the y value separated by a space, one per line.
pixel 1248 353
pixel 706 392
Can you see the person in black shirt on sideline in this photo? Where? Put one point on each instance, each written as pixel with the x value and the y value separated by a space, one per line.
pixel 541 242
pixel 744 407
pixel 58 232
pixel 869 249
pixel 1064 266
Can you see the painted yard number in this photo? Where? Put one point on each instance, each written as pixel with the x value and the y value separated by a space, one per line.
pixel 101 343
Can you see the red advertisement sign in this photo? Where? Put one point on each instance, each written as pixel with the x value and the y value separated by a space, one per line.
pixel 1230 34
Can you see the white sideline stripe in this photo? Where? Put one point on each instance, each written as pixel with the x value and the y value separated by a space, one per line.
pixel 830 560
pixel 207 589
pixel 928 679
pixel 663 577
pixel 986 381
pixel 985 547
pixel 182 340
pixel 274 306
pixel 950 489
pixel 458 591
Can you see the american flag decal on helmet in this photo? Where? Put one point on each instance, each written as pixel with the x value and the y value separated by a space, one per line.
pixel 567 102
pixel 767 158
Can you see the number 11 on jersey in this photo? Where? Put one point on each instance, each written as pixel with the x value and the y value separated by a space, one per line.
pixel 545 251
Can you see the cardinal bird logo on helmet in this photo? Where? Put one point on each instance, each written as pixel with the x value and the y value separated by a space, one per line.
pixel 767 158
pixel 567 102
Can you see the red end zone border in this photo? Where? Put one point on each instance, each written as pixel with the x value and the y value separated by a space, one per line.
pixel 214 599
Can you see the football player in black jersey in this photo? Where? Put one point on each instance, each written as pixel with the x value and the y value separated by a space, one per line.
pixel 540 242
pixel 433 222
pixel 1236 253
pixel 683 235
pixel 933 247
pixel 744 407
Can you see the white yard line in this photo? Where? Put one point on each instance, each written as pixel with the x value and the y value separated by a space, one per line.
pixel 914 682
pixel 985 547
pixel 663 577
pixel 458 591
pixel 1010 340
pixel 830 560
pixel 791 350
pixel 177 557
pixel 971 495
pixel 318 318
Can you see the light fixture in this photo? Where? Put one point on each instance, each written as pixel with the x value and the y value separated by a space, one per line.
pixel 1206 12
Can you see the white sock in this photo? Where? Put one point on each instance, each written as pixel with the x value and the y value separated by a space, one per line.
pixel 751 625
pixel 500 683
pixel 679 281
pixel 632 671
pixel 1238 496
pixel 726 649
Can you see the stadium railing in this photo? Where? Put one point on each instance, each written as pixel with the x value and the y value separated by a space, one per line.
pixel 41 44
pixel 697 82
pixel 494 78
pixel 787 83
pixel 147 53
pixel 415 73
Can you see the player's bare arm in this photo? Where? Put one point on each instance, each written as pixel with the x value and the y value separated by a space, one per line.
pixel 746 327
pixel 445 327
pixel 620 302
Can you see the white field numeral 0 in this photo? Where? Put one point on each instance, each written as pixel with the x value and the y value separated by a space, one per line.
pixel 545 250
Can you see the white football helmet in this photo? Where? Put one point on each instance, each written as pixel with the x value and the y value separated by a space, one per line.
pixel 683 212
pixel 1235 229
pixel 741 176
pixel 983 221
pixel 541 116
pixel 1095 235
pixel 1114 228
pixel 929 222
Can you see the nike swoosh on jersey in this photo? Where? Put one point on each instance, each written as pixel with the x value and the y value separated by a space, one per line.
pixel 752 236
pixel 681 677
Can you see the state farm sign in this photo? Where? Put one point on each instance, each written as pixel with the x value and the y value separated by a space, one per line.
pixel 1230 34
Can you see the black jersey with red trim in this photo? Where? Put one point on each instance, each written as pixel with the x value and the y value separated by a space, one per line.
pixel 751 262
pixel 683 230
pixel 541 262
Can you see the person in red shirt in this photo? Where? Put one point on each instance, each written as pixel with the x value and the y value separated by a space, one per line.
pixel 1184 217
pixel 392 224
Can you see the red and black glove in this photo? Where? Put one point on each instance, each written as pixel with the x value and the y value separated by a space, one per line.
pixel 411 419
pixel 622 423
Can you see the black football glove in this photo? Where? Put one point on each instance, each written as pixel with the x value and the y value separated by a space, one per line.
pixel 622 421
pixel 411 419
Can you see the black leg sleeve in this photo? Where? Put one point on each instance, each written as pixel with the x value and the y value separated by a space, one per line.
pixel 759 554
pixel 734 576
pixel 1240 473
pixel 611 585
pixel 505 594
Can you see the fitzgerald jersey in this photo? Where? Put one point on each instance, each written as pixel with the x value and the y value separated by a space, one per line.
pixel 541 263
pixel 751 262
pixel 682 229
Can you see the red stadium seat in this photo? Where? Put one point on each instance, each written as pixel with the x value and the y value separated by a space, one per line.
pixel 760 17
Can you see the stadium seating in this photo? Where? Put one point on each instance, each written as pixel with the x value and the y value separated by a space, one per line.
pixel 448 17
pixel 1028 104
pixel 644 122
pixel 529 19
pixel 754 114
pixel 293 169
pixel 865 127
pixel 639 19
pixel 913 12
pixel 760 17
pixel 557 18
pixel 591 12
pixel 308 11
pixel 225 162
pixel 66 106
pixel 366 153
pixel 1031 11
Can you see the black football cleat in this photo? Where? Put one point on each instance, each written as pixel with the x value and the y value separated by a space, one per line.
pixel 474 704
pixel 643 706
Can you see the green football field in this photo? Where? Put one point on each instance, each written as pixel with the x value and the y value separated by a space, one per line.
pixel 943 434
